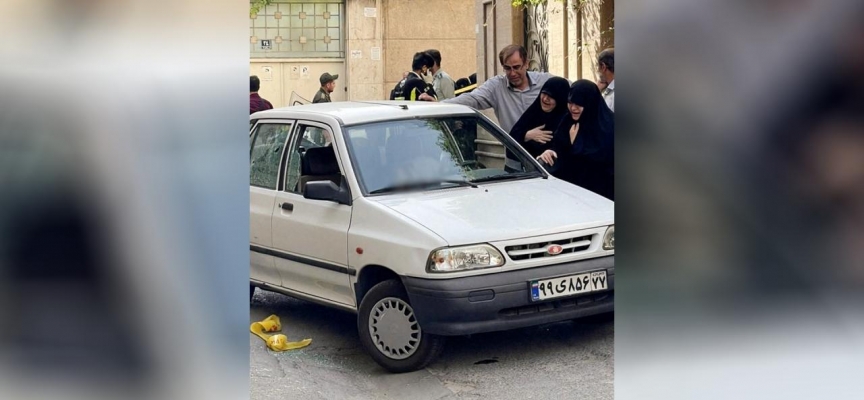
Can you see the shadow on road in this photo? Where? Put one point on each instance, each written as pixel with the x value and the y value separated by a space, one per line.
pixel 336 328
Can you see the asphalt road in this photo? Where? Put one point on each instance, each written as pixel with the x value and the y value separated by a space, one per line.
pixel 567 360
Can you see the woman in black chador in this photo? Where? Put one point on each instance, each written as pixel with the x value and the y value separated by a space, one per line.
pixel 534 129
pixel 582 148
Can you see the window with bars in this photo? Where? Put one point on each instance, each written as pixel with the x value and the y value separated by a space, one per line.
pixel 295 29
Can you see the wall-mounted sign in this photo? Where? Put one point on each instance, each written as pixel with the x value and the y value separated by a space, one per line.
pixel 370 12
pixel 304 71
pixel 376 53
pixel 266 73
pixel 356 54
pixel 266 44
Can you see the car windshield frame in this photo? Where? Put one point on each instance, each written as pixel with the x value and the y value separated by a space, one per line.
pixel 509 144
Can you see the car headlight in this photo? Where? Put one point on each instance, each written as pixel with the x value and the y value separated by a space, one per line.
pixel 609 238
pixel 452 259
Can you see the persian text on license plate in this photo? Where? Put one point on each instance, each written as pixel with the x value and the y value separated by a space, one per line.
pixel 568 285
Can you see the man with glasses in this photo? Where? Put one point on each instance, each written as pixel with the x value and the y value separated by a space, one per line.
pixel 509 95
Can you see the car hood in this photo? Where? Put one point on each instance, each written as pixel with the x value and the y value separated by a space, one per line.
pixel 503 210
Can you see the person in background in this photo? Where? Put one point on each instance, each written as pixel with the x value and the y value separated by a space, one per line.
pixel 256 102
pixel 441 81
pixel 328 85
pixel 582 147
pixel 461 83
pixel 397 90
pixel 606 75
pixel 418 82
pixel 534 129
pixel 466 85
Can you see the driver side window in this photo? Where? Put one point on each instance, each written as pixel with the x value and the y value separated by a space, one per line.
pixel 316 164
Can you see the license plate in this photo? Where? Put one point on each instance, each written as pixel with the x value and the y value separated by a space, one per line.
pixel 568 285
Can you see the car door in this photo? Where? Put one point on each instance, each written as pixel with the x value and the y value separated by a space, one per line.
pixel 267 144
pixel 312 235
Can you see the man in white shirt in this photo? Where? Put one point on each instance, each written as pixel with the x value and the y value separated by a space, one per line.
pixel 606 75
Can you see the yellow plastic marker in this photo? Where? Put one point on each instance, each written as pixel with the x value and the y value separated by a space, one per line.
pixel 466 89
pixel 277 342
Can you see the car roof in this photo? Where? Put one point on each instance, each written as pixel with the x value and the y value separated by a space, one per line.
pixel 359 112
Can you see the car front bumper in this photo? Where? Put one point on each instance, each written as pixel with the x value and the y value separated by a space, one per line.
pixel 501 301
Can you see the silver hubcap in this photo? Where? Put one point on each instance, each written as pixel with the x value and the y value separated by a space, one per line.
pixel 394 329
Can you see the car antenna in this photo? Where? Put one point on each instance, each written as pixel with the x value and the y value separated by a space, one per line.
pixel 403 106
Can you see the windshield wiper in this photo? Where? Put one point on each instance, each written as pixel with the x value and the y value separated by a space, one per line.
pixel 422 184
pixel 501 177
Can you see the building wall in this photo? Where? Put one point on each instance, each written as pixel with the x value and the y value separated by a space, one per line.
pixel 558 39
pixel 577 32
pixel 589 45
pixel 468 33
pixel 498 24
pixel 589 31
pixel 412 26
pixel 389 30
pixel 365 77
pixel 286 75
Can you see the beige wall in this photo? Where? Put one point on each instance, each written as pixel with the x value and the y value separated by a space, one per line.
pixel 365 77
pixel 446 25
pixel 590 44
pixel 557 15
pixel 575 37
pixel 277 85
pixel 412 26
pixel 499 24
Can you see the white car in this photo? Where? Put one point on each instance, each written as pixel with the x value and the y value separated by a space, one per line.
pixel 403 213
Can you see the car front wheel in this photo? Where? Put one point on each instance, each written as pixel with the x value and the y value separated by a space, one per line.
pixel 390 332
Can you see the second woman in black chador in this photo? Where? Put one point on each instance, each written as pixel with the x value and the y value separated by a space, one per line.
pixel 582 147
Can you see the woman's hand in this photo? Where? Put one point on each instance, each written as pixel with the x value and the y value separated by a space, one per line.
pixel 548 157
pixel 539 135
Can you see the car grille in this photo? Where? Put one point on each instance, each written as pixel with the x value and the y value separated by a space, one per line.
pixel 557 304
pixel 540 249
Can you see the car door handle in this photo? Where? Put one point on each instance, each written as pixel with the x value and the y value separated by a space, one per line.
pixel 287 206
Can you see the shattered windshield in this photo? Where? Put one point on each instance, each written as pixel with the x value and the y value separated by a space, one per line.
pixel 431 153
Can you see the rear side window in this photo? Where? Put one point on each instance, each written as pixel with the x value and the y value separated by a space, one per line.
pixel 265 153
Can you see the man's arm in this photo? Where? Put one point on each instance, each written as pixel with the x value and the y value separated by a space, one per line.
pixel 481 98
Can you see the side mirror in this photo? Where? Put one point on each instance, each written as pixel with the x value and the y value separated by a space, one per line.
pixel 327 190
